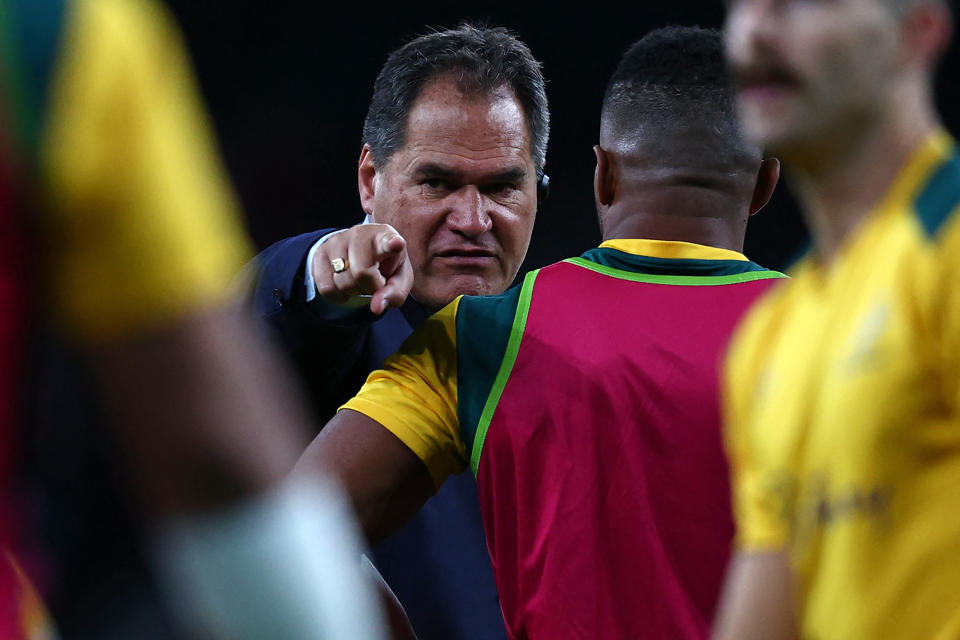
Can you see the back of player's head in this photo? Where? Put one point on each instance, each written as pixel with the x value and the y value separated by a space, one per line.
pixel 482 60
pixel 673 98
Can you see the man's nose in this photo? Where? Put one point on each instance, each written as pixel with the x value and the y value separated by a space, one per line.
pixel 468 212
pixel 750 29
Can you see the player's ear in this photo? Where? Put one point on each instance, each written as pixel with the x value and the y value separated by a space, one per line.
pixel 366 179
pixel 767 177
pixel 926 29
pixel 603 178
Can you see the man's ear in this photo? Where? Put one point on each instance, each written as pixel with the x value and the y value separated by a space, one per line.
pixel 603 179
pixel 367 179
pixel 927 29
pixel 767 177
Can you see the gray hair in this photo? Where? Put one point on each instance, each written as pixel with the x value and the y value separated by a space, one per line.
pixel 482 59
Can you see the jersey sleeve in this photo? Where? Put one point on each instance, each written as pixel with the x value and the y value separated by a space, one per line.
pixel 414 395
pixel 949 314
pixel 141 226
pixel 758 506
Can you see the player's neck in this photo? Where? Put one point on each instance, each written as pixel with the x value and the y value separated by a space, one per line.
pixel 652 220
pixel 840 190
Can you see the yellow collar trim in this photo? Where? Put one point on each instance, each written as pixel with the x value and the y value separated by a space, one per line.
pixel 672 249
pixel 935 148
pixel 910 179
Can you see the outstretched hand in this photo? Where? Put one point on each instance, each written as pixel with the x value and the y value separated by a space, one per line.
pixel 367 259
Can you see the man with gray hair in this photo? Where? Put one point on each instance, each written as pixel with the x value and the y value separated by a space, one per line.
pixel 454 148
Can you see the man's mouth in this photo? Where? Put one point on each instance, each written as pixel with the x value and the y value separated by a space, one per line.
pixel 467 258
pixel 766 84
pixel 465 252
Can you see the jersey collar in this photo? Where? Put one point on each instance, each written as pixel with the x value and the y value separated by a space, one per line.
pixel 672 249
pixel 669 258
pixel 913 176
pixel 910 180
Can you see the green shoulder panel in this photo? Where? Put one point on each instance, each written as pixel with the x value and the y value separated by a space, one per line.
pixel 30 35
pixel 940 196
pixel 489 330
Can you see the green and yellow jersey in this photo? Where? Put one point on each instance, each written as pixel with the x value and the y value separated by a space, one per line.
pixel 415 395
pixel 137 223
pixel 842 397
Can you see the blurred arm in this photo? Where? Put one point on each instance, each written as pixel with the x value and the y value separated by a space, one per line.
pixel 757 601
pixel 211 429
pixel 206 410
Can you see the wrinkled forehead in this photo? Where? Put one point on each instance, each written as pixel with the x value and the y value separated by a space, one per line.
pixel 444 102
pixel 446 121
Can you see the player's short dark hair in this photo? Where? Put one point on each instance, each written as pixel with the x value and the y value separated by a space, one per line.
pixel 483 59
pixel 674 76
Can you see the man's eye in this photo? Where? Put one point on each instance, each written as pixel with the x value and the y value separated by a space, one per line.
pixel 434 183
pixel 500 187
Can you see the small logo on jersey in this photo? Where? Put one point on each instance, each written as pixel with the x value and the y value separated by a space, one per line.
pixel 761 388
pixel 822 505
pixel 865 350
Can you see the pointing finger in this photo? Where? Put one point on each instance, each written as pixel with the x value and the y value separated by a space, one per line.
pixel 394 293
pixel 389 243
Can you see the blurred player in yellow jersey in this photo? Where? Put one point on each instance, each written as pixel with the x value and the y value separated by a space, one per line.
pixel 843 386
pixel 106 164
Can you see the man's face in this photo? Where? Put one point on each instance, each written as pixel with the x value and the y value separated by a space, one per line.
pixel 461 191
pixel 810 71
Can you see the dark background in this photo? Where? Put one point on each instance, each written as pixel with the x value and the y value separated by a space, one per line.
pixel 288 85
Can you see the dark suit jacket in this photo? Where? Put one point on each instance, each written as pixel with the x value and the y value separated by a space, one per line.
pixel 437 564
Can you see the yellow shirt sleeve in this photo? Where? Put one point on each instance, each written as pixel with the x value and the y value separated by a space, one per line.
pixel 757 507
pixel 414 396
pixel 141 224
pixel 949 315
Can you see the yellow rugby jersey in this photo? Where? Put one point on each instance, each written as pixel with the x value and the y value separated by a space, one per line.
pixel 138 223
pixel 842 390
pixel 414 395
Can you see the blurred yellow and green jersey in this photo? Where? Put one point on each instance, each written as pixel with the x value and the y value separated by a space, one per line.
pixel 115 215
pixel 842 398
pixel 100 113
